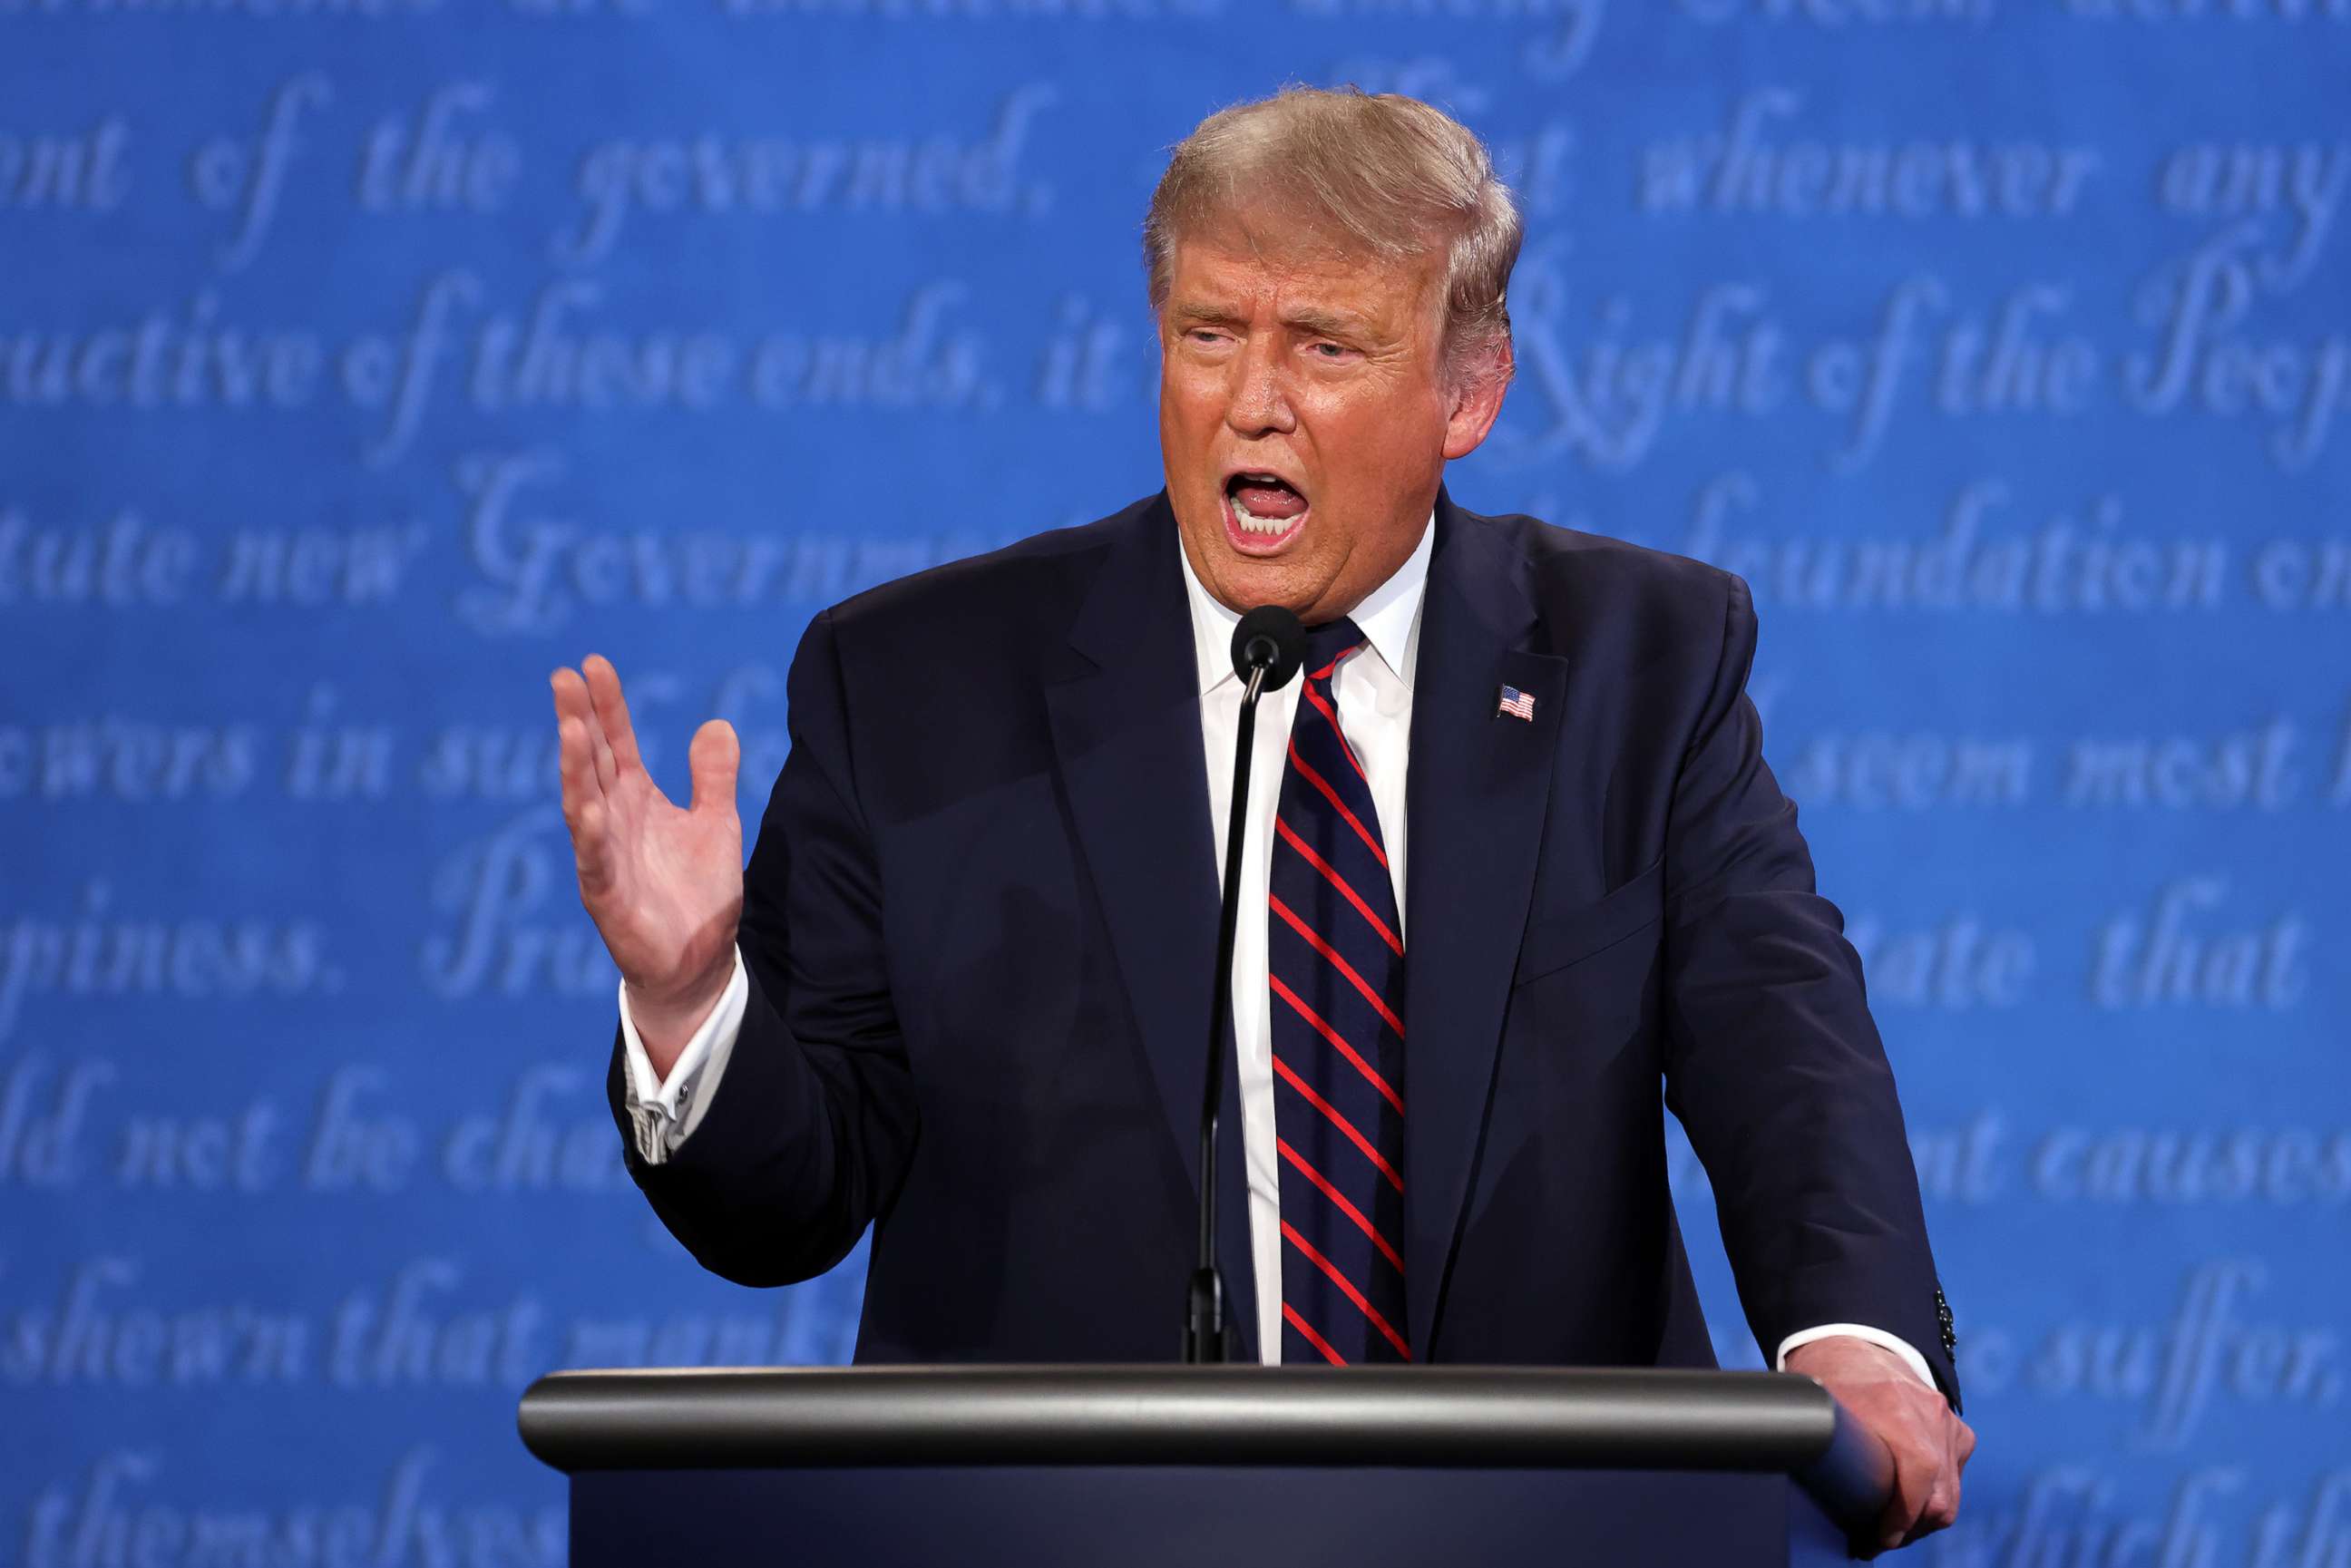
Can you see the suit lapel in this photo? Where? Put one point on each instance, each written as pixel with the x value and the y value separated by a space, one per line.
pixel 1475 789
pixel 1125 714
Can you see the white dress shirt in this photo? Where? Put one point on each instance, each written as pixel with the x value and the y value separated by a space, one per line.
pixel 1373 696
pixel 1372 692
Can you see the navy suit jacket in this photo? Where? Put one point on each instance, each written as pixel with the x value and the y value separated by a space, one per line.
pixel 979 924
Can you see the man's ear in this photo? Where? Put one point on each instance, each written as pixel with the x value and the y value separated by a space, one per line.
pixel 1477 398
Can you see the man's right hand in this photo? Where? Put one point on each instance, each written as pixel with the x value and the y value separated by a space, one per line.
pixel 663 885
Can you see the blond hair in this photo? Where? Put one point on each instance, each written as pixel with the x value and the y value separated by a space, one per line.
pixel 1386 174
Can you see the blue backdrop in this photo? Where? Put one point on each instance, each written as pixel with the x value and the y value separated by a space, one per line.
pixel 362 359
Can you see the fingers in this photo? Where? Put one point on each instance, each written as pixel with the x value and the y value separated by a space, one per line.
pixel 1942 1510
pixel 1913 1484
pixel 611 712
pixel 584 808
pixel 573 700
pixel 592 848
pixel 576 764
pixel 713 760
pixel 575 730
pixel 1927 1484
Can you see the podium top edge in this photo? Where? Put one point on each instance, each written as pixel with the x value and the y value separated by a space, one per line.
pixel 1536 1417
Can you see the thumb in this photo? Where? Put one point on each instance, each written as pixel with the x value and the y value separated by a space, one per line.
pixel 713 759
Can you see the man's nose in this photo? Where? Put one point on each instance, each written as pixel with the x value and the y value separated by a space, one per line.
pixel 1260 403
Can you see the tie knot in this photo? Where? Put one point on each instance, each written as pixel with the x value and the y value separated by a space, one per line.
pixel 1328 643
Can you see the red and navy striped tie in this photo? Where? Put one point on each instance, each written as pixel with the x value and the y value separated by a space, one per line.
pixel 1335 983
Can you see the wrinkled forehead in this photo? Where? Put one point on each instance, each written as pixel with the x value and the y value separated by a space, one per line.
pixel 1290 251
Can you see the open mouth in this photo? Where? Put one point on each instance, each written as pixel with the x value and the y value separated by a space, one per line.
pixel 1263 512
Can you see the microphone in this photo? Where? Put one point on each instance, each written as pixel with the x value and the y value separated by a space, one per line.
pixel 1268 647
pixel 1271 639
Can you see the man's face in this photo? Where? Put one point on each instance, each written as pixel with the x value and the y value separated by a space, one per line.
pixel 1305 416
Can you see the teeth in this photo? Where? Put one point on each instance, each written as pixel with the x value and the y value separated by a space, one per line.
pixel 1252 524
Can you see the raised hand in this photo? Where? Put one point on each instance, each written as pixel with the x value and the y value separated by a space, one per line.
pixel 664 885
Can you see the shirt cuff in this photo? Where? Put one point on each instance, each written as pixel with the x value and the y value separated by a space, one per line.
pixel 665 1111
pixel 1900 1347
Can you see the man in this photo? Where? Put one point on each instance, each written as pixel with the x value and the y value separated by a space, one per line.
pixel 1512 857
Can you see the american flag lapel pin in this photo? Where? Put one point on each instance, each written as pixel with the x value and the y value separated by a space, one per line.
pixel 1517 704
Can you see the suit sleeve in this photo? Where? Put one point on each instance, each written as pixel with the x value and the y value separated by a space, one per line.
pixel 1772 1062
pixel 806 1139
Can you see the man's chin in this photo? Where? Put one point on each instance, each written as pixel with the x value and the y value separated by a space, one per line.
pixel 1241 583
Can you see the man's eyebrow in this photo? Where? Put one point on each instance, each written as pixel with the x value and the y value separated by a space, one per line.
pixel 1319 320
pixel 1201 312
pixel 1323 322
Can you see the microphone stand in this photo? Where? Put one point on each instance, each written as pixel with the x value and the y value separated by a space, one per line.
pixel 1205 1330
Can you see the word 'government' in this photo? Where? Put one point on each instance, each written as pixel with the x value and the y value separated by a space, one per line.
pixel 537 566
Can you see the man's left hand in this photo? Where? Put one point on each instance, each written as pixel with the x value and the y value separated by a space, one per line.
pixel 1929 1444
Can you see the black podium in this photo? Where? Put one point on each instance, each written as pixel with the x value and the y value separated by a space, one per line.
pixel 1204 1467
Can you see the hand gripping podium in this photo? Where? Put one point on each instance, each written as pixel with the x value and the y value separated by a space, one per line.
pixel 1221 1466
